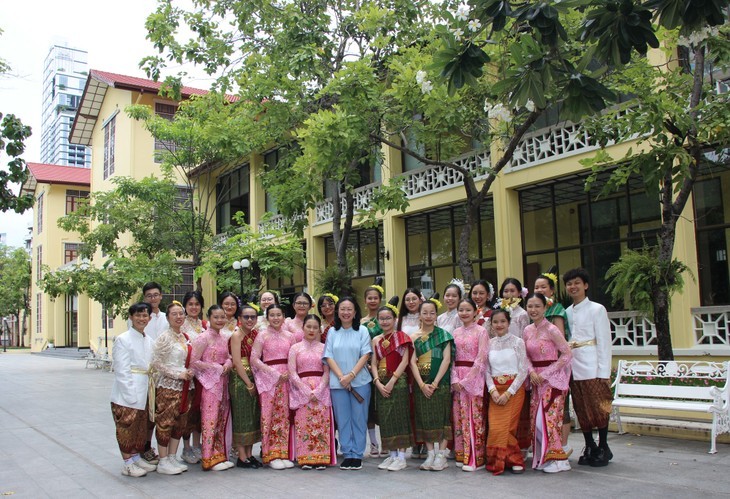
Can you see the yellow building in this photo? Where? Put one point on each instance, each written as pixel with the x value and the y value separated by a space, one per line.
pixel 538 216
pixel 57 191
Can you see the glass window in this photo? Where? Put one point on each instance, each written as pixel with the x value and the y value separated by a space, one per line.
pixel 365 252
pixel 537 218
pixel 109 132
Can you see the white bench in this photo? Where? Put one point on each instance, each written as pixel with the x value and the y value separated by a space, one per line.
pixel 633 389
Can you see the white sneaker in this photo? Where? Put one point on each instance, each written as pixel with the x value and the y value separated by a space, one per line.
pixel 374 450
pixel 179 463
pixel 190 457
pixel 277 464
pixel 287 464
pixel 552 467
pixel 385 464
pixel 448 453
pixel 459 464
pixel 198 451
pixel 225 465
pixel 168 466
pixel 439 462
pixel 398 464
pixel 564 465
pixel 141 463
pixel 132 470
pixel 428 463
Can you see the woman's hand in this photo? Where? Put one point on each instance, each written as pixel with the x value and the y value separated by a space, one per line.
pixel 383 389
pixel 283 378
pixel 503 399
pixel 495 397
pixel 535 378
pixel 428 389
pixel 346 379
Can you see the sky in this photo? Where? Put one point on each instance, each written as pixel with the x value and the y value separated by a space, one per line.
pixel 113 34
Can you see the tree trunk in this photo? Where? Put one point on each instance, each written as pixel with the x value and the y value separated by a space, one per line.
pixel 341 234
pixel 661 322
pixel 471 206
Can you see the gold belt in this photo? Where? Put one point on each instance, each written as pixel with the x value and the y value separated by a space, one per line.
pixel 246 365
pixel 578 344
pixel 424 369
pixel 504 378
pixel 150 390
pixel 384 375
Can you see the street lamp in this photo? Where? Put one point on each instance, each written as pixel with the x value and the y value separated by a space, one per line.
pixel 240 267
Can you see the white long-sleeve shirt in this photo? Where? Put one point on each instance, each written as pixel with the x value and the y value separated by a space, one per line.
pixel 589 321
pixel 132 350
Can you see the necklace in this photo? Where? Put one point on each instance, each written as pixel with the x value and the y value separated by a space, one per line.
pixel 386 340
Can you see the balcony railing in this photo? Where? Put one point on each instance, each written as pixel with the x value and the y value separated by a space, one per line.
pixel 631 330
pixel 430 179
pixel 711 326
pixel 325 209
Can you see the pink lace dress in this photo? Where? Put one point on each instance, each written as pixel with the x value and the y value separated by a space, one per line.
pixel 309 396
pixel 470 432
pixel 550 357
pixel 269 360
pixel 296 327
pixel 209 359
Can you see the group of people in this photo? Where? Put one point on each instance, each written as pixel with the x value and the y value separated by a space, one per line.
pixel 489 378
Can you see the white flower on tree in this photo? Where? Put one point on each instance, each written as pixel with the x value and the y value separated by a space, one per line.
pixel 421 77
pixel 462 12
pixel 458 33
pixel 474 25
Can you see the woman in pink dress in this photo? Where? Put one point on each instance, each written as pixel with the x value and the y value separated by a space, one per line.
pixel 269 362
pixel 309 396
pixel 550 358
pixel 467 384
pixel 295 325
pixel 211 364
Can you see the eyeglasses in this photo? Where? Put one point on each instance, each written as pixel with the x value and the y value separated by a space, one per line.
pixel 249 317
pixel 152 296
pixel 302 303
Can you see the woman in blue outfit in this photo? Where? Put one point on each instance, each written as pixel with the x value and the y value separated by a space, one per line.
pixel 346 352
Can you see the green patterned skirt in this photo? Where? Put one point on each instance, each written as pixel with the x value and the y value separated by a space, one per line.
pixel 245 413
pixel 433 416
pixel 394 416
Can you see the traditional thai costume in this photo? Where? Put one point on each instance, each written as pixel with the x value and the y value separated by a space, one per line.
pixel 449 321
pixel 394 415
pixel 173 394
pixel 269 360
pixel 295 326
pixel 313 427
pixel 326 327
pixel 245 408
pixel 470 362
pixel 550 357
pixel 433 416
pixel 591 348
pixel 193 328
pixel 506 372
pixel 209 360
pixel 129 397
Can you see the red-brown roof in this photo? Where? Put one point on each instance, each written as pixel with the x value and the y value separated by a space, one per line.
pixel 133 83
pixel 44 173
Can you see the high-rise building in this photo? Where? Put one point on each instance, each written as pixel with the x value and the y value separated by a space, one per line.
pixel 64 76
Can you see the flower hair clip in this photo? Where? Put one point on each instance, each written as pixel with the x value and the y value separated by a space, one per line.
pixel 175 302
pixel 379 289
pixel 255 307
pixel 435 301
pixel 459 284
pixel 393 308
pixel 332 297
pixel 524 292
pixel 508 304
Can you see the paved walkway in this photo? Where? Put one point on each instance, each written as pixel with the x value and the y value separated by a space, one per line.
pixel 57 440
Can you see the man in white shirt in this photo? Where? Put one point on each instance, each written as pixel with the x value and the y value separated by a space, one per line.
pixel 590 384
pixel 132 356
pixel 158 324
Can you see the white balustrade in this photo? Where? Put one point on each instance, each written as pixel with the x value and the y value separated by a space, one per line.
pixel 711 326
pixel 551 143
pixel 631 330
pixel 324 210
pixel 430 179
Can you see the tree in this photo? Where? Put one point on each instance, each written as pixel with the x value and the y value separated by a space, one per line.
pixel 13 134
pixel 681 130
pixel 15 291
pixel 305 74
pixel 200 145
pixel 127 239
pixel 275 253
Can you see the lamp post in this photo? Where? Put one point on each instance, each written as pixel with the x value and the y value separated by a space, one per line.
pixel 240 266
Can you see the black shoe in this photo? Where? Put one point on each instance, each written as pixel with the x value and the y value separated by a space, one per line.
pixel 243 464
pixel 255 462
pixel 601 457
pixel 588 453
pixel 346 464
pixel 356 464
